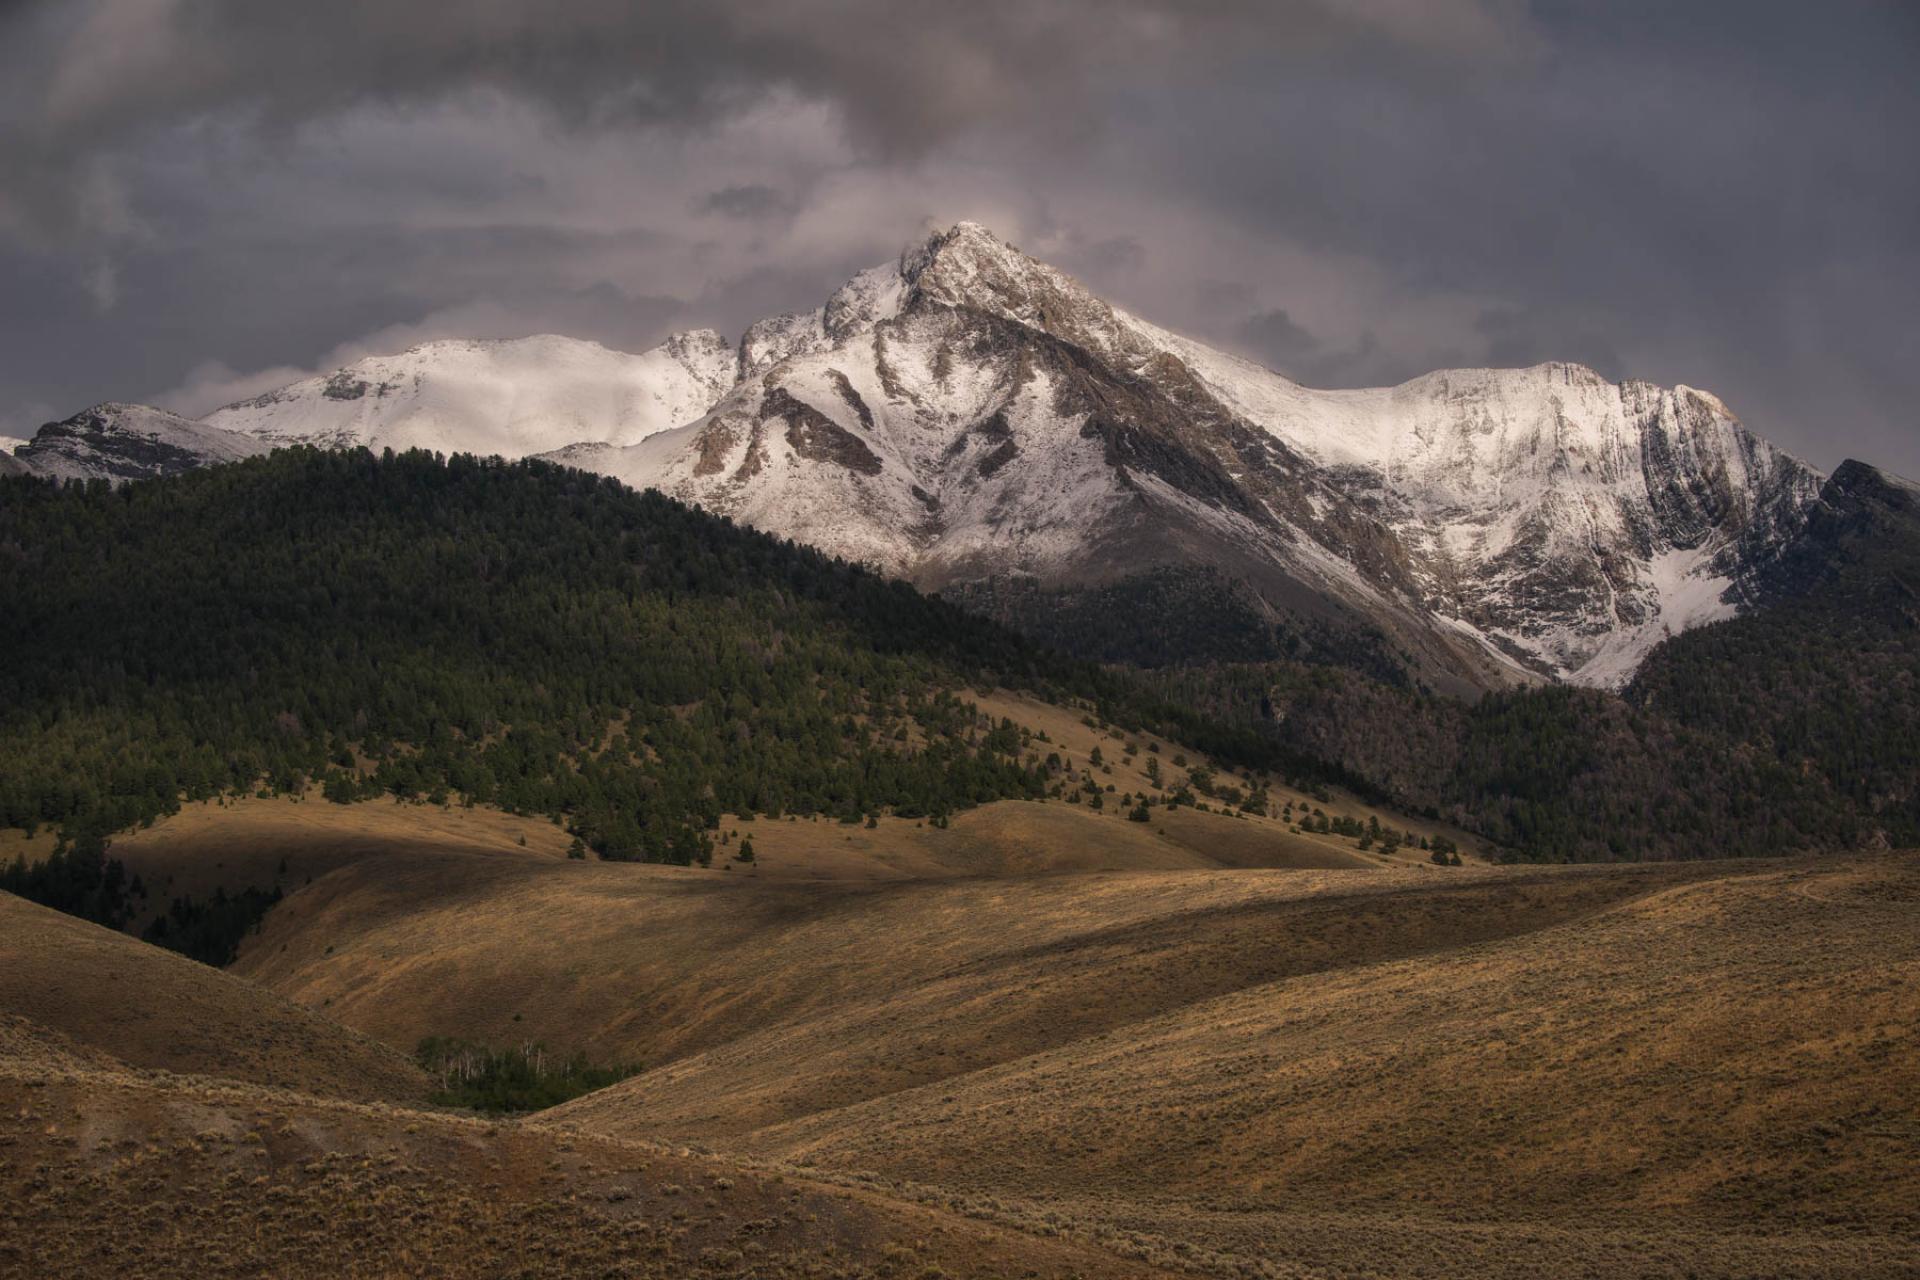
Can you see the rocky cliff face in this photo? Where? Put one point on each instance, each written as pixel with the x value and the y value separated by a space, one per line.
pixel 969 412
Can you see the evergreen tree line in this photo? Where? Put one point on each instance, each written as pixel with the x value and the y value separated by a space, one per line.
pixel 81 879
pixel 528 1078
pixel 517 634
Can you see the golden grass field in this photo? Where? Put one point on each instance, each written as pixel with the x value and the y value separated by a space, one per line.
pixel 113 1171
pixel 1042 1040
pixel 146 1007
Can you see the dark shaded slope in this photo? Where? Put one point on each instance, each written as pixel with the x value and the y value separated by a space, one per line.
pixel 1825 680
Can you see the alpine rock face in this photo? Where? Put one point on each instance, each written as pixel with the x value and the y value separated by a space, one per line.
pixel 970 413
pixel 967 415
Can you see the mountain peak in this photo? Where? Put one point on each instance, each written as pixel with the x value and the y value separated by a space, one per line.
pixel 1854 478
pixel 961 237
pixel 969 268
pixel 965 250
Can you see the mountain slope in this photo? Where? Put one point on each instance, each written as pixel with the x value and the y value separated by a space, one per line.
pixel 515 632
pixel 1826 679
pixel 152 1008
pixel 1789 727
pixel 508 398
pixel 130 442
pixel 971 413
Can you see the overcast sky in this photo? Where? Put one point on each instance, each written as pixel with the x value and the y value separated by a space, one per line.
pixel 201 199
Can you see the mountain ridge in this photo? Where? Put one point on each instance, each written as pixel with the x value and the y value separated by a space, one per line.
pixel 974 355
pixel 117 441
pixel 509 397
pixel 967 413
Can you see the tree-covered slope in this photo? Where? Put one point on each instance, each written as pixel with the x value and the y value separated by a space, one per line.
pixel 1825 680
pixel 1796 726
pixel 522 634
pixel 1177 617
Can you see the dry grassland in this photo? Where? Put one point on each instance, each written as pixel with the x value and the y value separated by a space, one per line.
pixel 257 842
pixel 105 1170
pixel 152 1008
pixel 1042 1040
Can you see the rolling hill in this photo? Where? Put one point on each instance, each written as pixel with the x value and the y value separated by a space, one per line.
pixel 1690 1069
pixel 149 1008
pixel 110 1168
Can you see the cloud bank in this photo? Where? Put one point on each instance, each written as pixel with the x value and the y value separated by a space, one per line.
pixel 202 196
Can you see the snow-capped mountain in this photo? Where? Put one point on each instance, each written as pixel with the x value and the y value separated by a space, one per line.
pixel 129 442
pixel 511 398
pixel 969 412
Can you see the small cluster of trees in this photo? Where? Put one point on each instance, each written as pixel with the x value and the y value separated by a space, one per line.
pixel 82 879
pixel 527 1077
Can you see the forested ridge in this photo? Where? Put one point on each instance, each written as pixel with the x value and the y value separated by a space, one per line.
pixel 1793 727
pixel 514 633
pixel 549 641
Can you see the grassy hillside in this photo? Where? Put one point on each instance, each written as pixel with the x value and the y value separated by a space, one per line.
pixel 1735 1051
pixel 105 1169
pixel 1181 1043
pixel 637 964
pixel 1690 1069
pixel 150 1008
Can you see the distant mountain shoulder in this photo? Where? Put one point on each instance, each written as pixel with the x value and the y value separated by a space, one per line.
pixel 509 398
pixel 129 442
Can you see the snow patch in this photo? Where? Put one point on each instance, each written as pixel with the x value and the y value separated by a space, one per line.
pixel 1690 594
pixel 529 395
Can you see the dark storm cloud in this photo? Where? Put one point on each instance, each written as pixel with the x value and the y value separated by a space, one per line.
pixel 1278 339
pixel 748 200
pixel 199 194
pixel 902 74
pixel 1682 192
